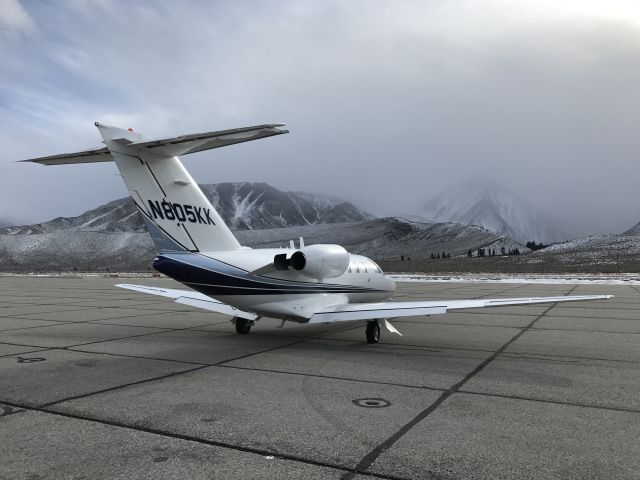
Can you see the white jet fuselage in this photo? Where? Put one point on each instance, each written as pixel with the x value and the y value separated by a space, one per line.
pixel 238 278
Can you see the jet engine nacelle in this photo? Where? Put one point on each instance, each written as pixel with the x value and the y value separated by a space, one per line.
pixel 320 261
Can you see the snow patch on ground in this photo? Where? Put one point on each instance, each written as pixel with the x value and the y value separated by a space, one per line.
pixel 579 279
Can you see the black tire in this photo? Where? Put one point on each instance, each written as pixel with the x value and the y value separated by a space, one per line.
pixel 243 326
pixel 373 331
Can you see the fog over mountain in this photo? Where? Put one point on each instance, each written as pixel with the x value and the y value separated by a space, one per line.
pixel 7 221
pixel 479 201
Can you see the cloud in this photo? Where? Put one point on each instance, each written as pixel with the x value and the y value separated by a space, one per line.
pixel 403 98
pixel 14 19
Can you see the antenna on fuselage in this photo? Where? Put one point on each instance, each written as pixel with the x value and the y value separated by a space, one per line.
pixel 301 242
pixel 292 245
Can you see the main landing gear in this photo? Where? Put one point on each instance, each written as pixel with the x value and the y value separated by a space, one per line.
pixel 243 326
pixel 373 331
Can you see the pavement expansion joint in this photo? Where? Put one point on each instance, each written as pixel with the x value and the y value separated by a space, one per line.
pixel 35 350
pixel 331 377
pixel 119 387
pixel 141 357
pixel 554 402
pixel 6 410
pixel 586 330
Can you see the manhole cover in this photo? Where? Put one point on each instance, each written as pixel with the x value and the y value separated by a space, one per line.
pixel 371 402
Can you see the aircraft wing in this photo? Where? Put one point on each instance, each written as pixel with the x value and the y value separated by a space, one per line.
pixel 192 298
pixel 370 311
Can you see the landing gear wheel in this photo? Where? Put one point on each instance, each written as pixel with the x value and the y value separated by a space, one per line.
pixel 373 331
pixel 243 325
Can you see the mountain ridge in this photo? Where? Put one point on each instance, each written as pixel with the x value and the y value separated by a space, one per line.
pixel 242 205
pixel 635 230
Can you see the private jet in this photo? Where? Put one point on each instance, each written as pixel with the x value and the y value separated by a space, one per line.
pixel 313 284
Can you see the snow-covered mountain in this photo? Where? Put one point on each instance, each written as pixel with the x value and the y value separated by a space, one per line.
pixel 255 206
pixel 383 238
pixel 605 252
pixel 244 206
pixel 479 201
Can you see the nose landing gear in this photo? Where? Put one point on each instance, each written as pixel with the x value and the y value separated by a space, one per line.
pixel 373 331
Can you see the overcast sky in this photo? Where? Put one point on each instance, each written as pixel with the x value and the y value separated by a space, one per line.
pixel 388 103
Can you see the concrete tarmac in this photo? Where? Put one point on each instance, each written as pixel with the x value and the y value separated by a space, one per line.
pixel 100 382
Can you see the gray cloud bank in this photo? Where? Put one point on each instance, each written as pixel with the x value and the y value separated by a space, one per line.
pixel 388 102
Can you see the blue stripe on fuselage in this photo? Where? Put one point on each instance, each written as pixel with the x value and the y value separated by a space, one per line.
pixel 213 277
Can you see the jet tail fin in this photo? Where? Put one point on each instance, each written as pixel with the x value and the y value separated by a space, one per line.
pixel 177 213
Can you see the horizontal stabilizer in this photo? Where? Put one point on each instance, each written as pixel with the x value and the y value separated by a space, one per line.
pixel 197 142
pixel 166 147
pixel 88 156
pixel 191 298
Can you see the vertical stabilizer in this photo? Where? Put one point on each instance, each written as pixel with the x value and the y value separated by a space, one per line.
pixel 178 215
